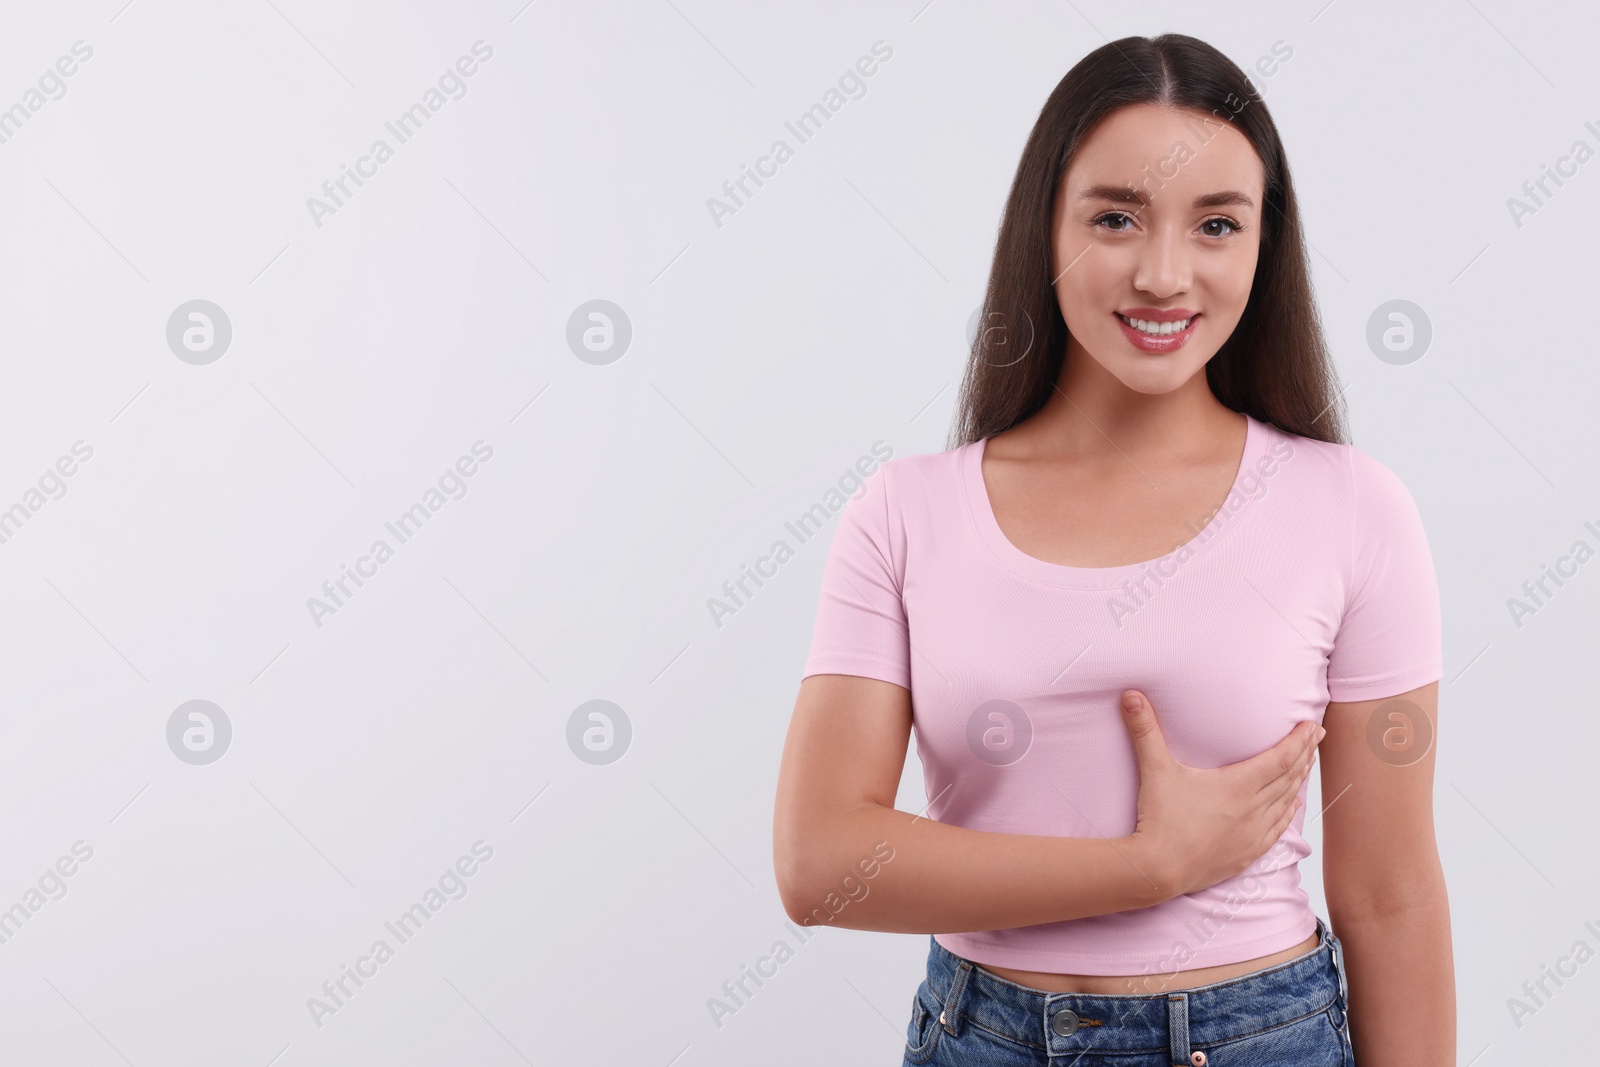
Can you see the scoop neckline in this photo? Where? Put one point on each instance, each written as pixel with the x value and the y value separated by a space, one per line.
pixel 994 539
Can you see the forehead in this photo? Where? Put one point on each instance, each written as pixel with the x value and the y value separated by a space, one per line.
pixel 1165 148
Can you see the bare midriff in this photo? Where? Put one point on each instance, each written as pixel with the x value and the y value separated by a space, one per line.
pixel 1142 984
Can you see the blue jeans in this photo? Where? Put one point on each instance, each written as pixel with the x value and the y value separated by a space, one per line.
pixel 1291 1014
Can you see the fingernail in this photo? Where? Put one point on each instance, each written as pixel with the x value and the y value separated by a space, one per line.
pixel 1321 733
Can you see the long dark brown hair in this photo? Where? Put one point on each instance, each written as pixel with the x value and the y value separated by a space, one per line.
pixel 1275 366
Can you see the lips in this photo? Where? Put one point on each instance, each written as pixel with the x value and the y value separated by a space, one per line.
pixel 1157 319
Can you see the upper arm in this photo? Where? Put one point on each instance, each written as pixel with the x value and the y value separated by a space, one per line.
pixel 1378 840
pixel 1382 721
pixel 847 738
pixel 846 747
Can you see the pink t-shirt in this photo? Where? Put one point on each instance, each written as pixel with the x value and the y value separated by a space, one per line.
pixel 1314 582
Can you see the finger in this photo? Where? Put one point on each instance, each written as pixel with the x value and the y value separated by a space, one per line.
pixel 1286 815
pixel 1296 784
pixel 1270 768
pixel 1285 788
pixel 1293 783
pixel 1149 745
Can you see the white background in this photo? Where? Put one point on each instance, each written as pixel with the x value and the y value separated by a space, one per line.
pixel 768 353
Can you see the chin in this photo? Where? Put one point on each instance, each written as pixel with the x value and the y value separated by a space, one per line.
pixel 1155 377
pixel 1153 388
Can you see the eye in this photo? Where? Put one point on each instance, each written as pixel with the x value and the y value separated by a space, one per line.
pixel 1114 215
pixel 1225 221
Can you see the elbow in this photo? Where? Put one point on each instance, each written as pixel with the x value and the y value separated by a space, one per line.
pixel 816 885
pixel 820 868
pixel 807 901
pixel 795 882
pixel 795 863
pixel 805 848
pixel 796 910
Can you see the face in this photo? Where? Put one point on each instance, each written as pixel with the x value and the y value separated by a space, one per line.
pixel 1181 244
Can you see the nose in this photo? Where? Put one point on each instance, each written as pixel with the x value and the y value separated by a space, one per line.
pixel 1164 268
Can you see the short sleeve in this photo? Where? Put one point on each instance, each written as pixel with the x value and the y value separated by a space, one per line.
pixel 861 620
pixel 1390 638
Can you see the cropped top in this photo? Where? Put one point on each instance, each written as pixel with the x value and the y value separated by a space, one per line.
pixel 1312 582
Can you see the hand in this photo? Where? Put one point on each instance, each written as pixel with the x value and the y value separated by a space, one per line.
pixel 1199 826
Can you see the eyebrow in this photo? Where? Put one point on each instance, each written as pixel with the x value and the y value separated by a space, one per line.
pixel 1127 194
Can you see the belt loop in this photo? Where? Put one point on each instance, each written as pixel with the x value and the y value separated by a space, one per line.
pixel 952 1001
pixel 1337 948
pixel 1178 1029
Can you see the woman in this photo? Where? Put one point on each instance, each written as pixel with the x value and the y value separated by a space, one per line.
pixel 1113 524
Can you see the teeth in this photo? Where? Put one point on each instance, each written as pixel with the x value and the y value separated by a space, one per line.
pixel 1156 329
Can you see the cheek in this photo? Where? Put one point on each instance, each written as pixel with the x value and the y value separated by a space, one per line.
pixel 1093 284
pixel 1230 281
pixel 1240 273
pixel 1083 307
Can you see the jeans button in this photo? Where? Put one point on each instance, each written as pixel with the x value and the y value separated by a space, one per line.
pixel 1064 1023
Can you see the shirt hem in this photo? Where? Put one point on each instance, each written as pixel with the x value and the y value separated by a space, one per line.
pixel 1344 691
pixel 1055 962
pixel 859 668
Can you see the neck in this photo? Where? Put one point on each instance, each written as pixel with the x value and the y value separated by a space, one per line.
pixel 1091 414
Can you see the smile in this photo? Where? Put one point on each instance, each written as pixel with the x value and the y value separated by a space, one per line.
pixel 1157 329
pixel 1157 336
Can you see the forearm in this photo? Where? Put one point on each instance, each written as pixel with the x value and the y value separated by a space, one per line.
pixel 1401 972
pixel 941 878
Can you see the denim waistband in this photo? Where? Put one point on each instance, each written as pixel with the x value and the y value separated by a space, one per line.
pixel 1064 1023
